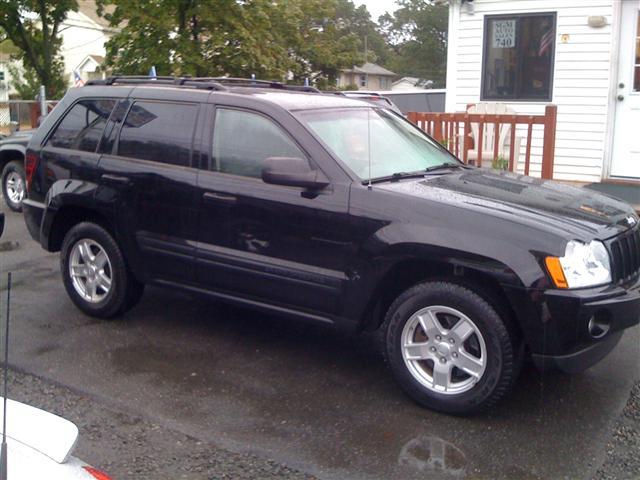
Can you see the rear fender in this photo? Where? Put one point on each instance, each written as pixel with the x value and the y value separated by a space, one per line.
pixel 69 193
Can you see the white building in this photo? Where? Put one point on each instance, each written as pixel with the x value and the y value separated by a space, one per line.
pixel 84 35
pixel 410 84
pixel 583 56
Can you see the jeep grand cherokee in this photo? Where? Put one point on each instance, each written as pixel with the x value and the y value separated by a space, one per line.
pixel 325 208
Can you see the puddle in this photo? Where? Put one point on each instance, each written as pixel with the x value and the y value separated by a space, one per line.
pixel 433 457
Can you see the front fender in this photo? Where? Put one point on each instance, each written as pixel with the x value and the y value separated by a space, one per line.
pixel 505 260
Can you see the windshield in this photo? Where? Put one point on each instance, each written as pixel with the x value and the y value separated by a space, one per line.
pixel 393 143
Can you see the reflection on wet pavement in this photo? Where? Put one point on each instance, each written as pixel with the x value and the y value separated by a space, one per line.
pixel 310 397
pixel 434 457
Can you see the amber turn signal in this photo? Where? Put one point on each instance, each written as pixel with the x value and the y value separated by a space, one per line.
pixel 555 270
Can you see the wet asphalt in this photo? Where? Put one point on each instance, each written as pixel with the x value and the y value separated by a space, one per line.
pixel 302 395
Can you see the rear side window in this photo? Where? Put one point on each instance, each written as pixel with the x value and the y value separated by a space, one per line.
pixel 161 132
pixel 243 140
pixel 82 126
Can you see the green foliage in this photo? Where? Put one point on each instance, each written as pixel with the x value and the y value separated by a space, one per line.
pixel 500 163
pixel 26 82
pixel 236 38
pixel 417 33
pixel 33 27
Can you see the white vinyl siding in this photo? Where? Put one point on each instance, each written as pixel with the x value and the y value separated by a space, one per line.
pixel 581 80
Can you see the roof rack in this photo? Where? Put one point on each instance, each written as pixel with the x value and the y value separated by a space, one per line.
pixel 208 83
pixel 166 80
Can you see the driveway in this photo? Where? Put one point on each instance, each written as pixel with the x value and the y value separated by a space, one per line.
pixel 301 394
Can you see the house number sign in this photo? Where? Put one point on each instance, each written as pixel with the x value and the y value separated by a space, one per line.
pixel 504 34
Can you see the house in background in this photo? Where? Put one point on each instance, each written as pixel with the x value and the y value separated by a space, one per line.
pixel 90 68
pixel 582 56
pixel 411 83
pixel 84 35
pixel 367 77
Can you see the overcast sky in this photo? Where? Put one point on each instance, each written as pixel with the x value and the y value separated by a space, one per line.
pixel 377 7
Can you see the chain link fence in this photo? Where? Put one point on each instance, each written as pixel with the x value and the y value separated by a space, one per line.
pixel 20 114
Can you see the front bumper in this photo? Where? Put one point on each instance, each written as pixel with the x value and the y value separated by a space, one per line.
pixel 558 324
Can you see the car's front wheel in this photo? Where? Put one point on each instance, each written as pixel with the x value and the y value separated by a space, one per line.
pixel 449 348
pixel 95 274
pixel 13 185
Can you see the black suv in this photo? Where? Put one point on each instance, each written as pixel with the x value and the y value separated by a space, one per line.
pixel 12 150
pixel 324 208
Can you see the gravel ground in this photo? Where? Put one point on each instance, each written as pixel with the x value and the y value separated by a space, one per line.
pixel 623 450
pixel 126 446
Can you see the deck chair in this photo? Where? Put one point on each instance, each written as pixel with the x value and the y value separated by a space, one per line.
pixel 488 136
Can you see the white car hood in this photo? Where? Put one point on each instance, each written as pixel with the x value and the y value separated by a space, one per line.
pixel 44 432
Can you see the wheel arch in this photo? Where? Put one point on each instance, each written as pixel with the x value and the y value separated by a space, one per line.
pixel 10 154
pixel 483 277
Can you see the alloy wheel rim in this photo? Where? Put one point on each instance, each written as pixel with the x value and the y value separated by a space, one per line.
pixel 14 187
pixel 443 350
pixel 90 270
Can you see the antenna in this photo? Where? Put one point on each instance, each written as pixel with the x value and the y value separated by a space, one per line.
pixel 3 448
pixel 368 148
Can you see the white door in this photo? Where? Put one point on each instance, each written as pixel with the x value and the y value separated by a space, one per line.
pixel 625 161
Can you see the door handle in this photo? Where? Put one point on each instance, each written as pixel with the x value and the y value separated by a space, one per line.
pixel 213 197
pixel 115 180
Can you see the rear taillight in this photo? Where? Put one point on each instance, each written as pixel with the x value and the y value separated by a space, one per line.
pixel 95 473
pixel 30 165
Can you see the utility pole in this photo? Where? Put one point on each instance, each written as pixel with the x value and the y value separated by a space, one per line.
pixel 366 50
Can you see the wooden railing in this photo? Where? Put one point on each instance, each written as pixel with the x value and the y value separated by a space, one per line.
pixel 453 130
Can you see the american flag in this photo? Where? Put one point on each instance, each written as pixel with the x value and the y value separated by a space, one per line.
pixel 78 79
pixel 546 42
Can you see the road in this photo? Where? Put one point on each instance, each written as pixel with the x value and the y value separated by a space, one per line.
pixel 303 395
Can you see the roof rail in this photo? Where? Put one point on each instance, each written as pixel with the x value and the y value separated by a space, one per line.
pixel 163 80
pixel 255 83
pixel 209 83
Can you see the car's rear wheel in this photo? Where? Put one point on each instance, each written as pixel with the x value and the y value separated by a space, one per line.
pixel 13 185
pixel 95 274
pixel 450 349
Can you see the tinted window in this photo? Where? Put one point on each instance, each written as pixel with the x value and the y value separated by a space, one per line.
pixel 243 140
pixel 83 125
pixel 518 57
pixel 110 130
pixel 161 132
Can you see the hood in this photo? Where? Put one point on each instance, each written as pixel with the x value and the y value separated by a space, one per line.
pixel 569 210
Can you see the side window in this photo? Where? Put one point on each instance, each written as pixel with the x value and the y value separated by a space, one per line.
pixel 243 140
pixel 110 131
pixel 81 128
pixel 161 132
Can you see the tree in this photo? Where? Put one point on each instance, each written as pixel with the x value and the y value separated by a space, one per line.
pixel 191 37
pixel 417 33
pixel 236 38
pixel 33 27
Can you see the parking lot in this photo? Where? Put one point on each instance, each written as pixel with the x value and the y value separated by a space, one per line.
pixel 303 395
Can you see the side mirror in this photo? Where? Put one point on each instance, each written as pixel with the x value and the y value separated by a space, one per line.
pixel 292 172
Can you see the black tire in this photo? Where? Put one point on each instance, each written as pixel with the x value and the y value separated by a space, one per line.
pixel 502 360
pixel 14 167
pixel 124 292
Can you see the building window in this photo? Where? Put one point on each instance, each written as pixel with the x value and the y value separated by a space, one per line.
pixel 518 57
pixel 363 80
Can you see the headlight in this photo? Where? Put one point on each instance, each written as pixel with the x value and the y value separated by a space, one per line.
pixel 583 265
